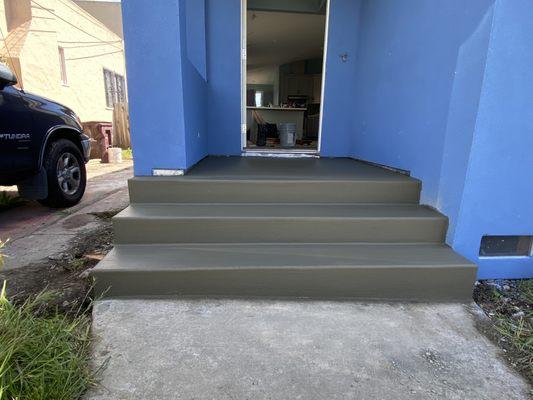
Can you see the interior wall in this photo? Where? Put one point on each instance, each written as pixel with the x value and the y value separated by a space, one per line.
pixel 268 92
pixel 498 192
pixel 265 76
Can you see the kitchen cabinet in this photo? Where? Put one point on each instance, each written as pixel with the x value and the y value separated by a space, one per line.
pixel 301 84
pixel 317 88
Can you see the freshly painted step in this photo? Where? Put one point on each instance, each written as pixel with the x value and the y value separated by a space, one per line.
pixel 423 272
pixel 278 223
pixel 200 190
pixel 267 180
pixel 243 226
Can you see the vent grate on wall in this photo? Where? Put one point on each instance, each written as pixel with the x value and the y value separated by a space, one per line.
pixel 506 246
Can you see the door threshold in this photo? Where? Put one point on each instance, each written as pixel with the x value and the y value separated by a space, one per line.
pixel 282 153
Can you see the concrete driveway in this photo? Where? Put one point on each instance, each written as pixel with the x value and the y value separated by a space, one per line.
pixel 36 232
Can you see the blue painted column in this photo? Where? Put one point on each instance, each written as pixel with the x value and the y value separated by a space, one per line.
pixel 161 128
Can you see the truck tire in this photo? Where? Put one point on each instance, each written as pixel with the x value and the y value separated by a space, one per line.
pixel 65 173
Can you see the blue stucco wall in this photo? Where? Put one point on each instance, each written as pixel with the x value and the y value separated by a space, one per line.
pixel 195 28
pixel 166 61
pixel 340 82
pixel 461 122
pixel 426 87
pixel 193 58
pixel 406 62
pixel 434 95
pixel 224 77
pixel 498 193
pixel 154 73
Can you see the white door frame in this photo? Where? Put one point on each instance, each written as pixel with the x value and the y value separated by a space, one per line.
pixel 244 7
pixel 323 87
pixel 243 44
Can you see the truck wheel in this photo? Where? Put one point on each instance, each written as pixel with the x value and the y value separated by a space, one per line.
pixel 66 175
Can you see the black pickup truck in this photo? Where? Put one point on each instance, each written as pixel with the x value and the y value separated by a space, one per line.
pixel 42 147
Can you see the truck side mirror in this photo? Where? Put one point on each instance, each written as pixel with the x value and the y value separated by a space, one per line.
pixel 7 77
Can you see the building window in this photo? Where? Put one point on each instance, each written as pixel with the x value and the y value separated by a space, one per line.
pixel 63 66
pixel 115 88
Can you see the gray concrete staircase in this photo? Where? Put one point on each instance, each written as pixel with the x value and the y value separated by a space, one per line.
pixel 326 228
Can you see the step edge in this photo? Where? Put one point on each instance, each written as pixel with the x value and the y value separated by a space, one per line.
pixel 177 180
pixel 118 218
pixel 104 269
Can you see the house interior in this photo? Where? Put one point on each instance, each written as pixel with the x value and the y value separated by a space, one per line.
pixel 284 75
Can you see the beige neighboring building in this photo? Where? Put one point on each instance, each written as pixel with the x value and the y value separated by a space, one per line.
pixel 62 52
pixel 106 11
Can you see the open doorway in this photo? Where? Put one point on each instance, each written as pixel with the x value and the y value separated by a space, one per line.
pixel 283 75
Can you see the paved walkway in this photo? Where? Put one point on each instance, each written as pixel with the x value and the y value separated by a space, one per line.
pixel 245 349
pixel 36 232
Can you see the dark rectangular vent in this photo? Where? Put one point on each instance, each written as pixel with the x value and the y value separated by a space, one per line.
pixel 506 246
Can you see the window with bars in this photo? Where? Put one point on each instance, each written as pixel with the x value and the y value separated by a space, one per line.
pixel 115 88
pixel 62 66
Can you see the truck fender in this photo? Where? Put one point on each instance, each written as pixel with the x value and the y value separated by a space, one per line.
pixel 74 138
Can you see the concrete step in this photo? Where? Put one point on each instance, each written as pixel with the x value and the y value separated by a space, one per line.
pixel 389 188
pixel 278 223
pixel 422 272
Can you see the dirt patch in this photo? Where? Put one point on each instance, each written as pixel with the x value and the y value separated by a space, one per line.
pixel 65 275
pixel 78 220
pixel 509 306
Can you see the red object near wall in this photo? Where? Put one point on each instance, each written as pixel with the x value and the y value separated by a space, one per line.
pixel 101 134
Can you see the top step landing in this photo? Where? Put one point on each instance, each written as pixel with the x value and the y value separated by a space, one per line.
pixel 278 180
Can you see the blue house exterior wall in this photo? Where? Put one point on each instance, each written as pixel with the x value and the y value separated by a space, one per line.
pixel 425 87
pixel 406 61
pixel 224 76
pixel 340 83
pixel 498 194
pixel 462 119
pixel 193 56
pixel 155 84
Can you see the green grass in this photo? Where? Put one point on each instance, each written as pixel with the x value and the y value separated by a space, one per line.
pixel 2 244
pixel 127 154
pixel 43 355
pixel 518 331
pixel 8 201
pixel 512 314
